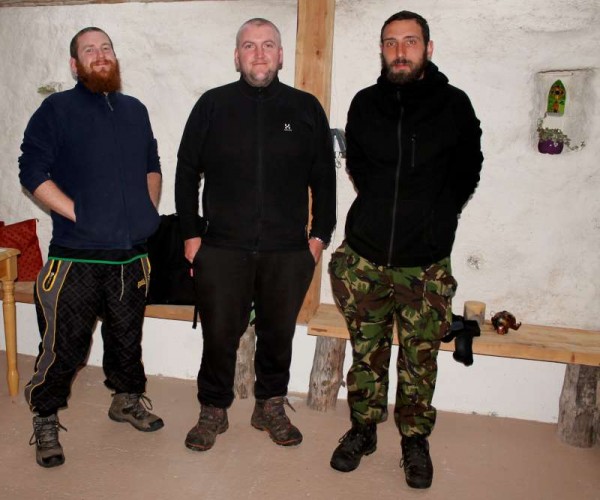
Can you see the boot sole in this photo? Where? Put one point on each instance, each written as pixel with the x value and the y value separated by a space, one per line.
pixel 419 485
pixel 293 442
pixel 158 424
pixel 53 462
pixel 346 469
pixel 199 447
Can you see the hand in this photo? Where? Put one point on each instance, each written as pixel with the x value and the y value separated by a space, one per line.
pixel 191 247
pixel 316 248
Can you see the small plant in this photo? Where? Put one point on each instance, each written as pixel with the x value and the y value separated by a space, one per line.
pixel 556 135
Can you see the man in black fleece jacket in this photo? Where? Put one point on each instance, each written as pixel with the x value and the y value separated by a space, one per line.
pixel 414 156
pixel 259 145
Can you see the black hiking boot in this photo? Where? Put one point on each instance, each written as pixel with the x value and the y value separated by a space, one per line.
pixel 133 408
pixel 416 461
pixel 212 421
pixel 269 415
pixel 48 451
pixel 360 440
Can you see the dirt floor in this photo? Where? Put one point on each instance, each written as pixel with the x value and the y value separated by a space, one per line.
pixel 475 457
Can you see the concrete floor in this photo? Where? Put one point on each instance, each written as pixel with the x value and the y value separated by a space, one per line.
pixel 475 457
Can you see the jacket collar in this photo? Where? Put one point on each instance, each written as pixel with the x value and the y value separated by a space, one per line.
pixel 433 77
pixel 112 96
pixel 265 92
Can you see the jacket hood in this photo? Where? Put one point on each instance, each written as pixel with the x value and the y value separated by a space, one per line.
pixel 432 77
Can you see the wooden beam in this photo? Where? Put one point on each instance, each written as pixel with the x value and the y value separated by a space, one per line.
pixel 314 56
pixel 55 3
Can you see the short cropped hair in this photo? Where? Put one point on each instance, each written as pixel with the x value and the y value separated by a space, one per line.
pixel 406 15
pixel 257 21
pixel 74 42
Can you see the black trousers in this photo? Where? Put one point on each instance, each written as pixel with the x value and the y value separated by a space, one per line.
pixel 228 283
pixel 69 298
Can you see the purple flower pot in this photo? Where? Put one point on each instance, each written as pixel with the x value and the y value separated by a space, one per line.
pixel 550 147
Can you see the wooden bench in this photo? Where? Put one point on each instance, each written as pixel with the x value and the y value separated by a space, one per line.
pixel 579 349
pixel 244 374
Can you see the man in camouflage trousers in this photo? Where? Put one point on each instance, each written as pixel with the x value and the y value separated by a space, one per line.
pixel 414 156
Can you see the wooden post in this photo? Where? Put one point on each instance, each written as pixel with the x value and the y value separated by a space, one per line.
pixel 579 407
pixel 8 274
pixel 327 374
pixel 243 386
pixel 314 55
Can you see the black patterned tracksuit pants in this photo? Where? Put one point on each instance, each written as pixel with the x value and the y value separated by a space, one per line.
pixel 69 298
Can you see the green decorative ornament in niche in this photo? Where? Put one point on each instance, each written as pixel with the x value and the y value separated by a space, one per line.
pixel 557 97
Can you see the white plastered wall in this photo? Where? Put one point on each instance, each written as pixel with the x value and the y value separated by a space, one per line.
pixel 527 242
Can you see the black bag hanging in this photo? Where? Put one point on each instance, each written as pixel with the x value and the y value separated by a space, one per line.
pixel 170 280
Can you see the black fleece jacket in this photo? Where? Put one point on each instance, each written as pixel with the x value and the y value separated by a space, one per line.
pixel 414 156
pixel 258 150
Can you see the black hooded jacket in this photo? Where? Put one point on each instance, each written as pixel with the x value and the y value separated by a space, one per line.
pixel 414 156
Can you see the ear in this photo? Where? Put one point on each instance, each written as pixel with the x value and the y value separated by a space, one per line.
pixel 280 65
pixel 73 66
pixel 236 60
pixel 429 49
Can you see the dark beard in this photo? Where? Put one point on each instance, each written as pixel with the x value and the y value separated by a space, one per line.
pixel 105 81
pixel 416 72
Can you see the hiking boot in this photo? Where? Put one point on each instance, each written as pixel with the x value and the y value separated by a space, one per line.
pixel 212 421
pixel 48 451
pixel 416 461
pixel 269 415
pixel 360 440
pixel 133 408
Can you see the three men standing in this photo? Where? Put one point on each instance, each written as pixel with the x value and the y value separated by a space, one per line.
pixel 259 145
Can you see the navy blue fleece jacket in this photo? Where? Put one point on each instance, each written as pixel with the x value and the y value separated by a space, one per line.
pixel 98 149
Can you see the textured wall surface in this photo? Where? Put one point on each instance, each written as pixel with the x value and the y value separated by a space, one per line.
pixel 528 240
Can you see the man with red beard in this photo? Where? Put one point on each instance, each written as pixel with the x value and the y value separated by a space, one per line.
pixel 89 156
pixel 414 156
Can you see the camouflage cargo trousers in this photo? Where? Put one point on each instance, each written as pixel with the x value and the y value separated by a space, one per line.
pixel 371 298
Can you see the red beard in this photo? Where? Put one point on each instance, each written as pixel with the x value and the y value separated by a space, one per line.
pixel 100 81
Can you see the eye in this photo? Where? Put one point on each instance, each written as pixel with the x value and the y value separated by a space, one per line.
pixel 269 45
pixel 247 46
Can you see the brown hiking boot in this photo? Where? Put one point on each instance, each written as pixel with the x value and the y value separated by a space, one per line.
pixel 133 408
pixel 212 421
pixel 48 451
pixel 269 415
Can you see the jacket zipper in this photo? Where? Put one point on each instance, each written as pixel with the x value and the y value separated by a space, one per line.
pixel 397 183
pixel 260 168
pixel 123 197
pixel 108 102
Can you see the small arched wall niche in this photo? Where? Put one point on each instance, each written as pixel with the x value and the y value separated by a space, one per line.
pixel 564 100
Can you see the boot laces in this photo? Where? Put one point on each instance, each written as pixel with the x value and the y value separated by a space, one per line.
pixel 138 405
pixel 45 433
pixel 353 441
pixel 211 415
pixel 274 410
pixel 415 453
